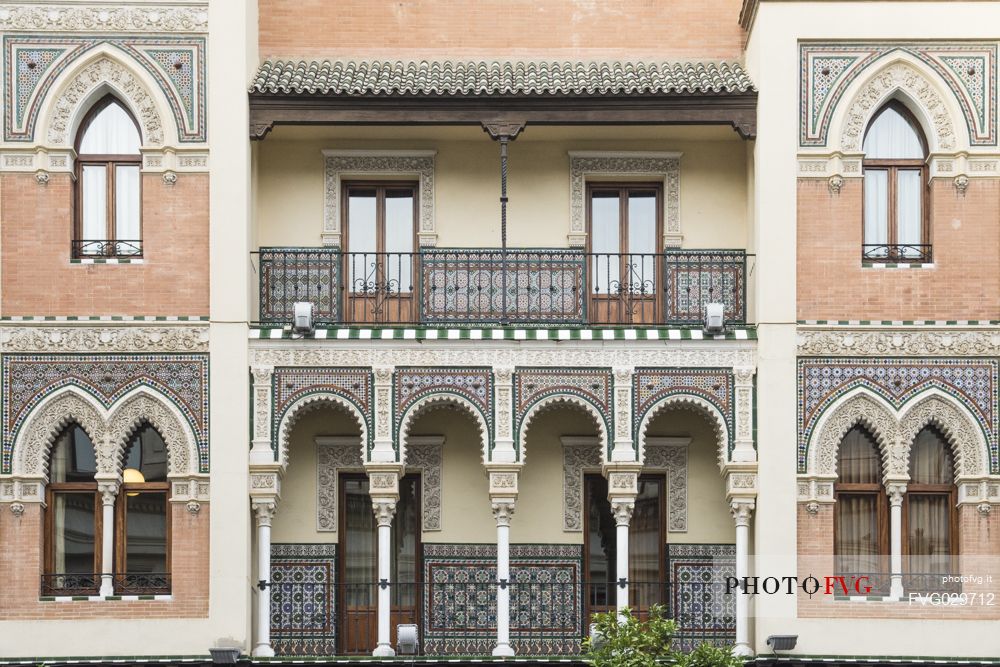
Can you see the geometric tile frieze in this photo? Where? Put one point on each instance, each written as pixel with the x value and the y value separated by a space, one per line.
pixel 532 385
pixel 289 384
pixel 32 63
pixel 827 70
pixel 714 385
pixel 698 601
pixel 474 384
pixel 27 379
pixel 972 382
pixel 303 599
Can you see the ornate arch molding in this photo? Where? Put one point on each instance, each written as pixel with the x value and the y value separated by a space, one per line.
pixel 958 427
pixel 436 400
pixel 576 403
pixel 859 407
pixel 33 445
pixel 309 403
pixel 145 407
pixel 693 403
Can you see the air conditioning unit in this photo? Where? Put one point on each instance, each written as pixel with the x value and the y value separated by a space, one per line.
pixel 302 317
pixel 715 321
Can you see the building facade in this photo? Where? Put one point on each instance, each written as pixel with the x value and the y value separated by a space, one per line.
pixel 328 326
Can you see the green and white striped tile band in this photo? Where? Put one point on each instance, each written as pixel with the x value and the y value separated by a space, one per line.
pixel 397 333
pixel 901 265
pixel 901 323
pixel 109 260
pixel 104 318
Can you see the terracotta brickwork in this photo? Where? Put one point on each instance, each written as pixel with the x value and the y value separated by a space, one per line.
pixel 979 546
pixel 963 285
pixel 21 550
pixel 38 278
pixel 490 28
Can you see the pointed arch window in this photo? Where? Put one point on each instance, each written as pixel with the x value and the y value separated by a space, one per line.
pixel 108 183
pixel 895 188
pixel 861 515
pixel 929 512
pixel 142 517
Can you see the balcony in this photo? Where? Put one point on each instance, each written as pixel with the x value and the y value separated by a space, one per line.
pixel 488 286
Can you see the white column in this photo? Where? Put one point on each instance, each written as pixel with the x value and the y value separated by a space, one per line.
pixel 896 492
pixel 109 491
pixel 503 511
pixel 265 509
pixel 741 510
pixel 622 509
pixel 384 509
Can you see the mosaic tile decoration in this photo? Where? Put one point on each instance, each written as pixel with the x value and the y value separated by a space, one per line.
pixel 693 278
pixel 28 378
pixel 289 384
pixel 698 600
pixel 303 601
pixel 31 63
pixel 973 382
pixel 532 385
pixel 288 275
pixel 542 286
pixel 826 70
pixel 460 606
pixel 474 384
pixel 650 385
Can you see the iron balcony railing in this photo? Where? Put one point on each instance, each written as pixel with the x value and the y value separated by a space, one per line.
pixel 524 286
pixel 118 248
pixel 77 584
pixel 458 617
pixel 899 252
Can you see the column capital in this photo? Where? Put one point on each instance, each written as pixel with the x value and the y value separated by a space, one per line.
pixel 503 512
pixel 622 509
pixel 385 510
pixel 265 509
pixel 895 491
pixel 262 374
pixel 108 488
pixel 741 509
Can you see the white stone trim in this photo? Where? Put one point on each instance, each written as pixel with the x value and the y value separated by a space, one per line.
pixel 952 342
pixel 158 17
pixel 594 165
pixel 116 338
pixel 341 164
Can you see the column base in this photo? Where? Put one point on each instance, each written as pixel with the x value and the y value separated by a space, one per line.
pixel 742 650
pixel 263 651
pixel 383 651
pixel 896 587
pixel 107 586
pixel 503 651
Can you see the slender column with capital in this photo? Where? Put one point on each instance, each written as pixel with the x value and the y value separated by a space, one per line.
pixel 264 508
pixel 109 491
pixel 622 509
pixel 896 492
pixel 384 510
pixel 503 510
pixel 741 510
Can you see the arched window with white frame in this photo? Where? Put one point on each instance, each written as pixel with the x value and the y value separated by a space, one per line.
pixel 108 183
pixel 896 225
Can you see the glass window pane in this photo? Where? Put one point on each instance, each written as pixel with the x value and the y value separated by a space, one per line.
pixel 405 536
pixel 146 532
pixel 876 212
pixel 147 453
pixel 94 207
pixel 856 526
pixel 858 460
pixel 110 132
pixel 601 543
pixel 605 241
pixel 359 542
pixel 399 226
pixel 644 544
pixel 73 533
pixel 641 241
pixel 930 459
pixel 929 534
pixel 891 136
pixel 127 208
pixel 909 215
pixel 73 458
pixel 361 239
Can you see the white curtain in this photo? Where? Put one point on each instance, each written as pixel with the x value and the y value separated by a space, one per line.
pixel 110 132
pixel 892 137
pixel 95 206
pixel 908 213
pixel 126 206
pixel 876 210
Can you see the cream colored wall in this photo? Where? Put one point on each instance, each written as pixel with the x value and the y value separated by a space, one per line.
pixel 290 181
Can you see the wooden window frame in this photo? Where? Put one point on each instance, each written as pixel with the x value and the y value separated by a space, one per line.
pixel 893 167
pixel 949 490
pixel 121 533
pixel 380 188
pixel 110 162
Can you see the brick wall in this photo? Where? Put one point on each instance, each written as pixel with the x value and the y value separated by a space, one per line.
pixel 627 29
pixel 21 561
pixel 963 285
pixel 36 228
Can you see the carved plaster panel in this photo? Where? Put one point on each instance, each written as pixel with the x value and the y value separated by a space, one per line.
pixel 852 342
pixel 342 164
pixel 104 339
pixel 103 17
pixel 670 455
pixel 579 456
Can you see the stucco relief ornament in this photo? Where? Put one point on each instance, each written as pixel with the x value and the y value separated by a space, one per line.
pixel 961 434
pixel 104 339
pixel 575 459
pixel 17 509
pixel 503 512
pixel 622 511
pixel 143 409
pixel 42 177
pixel 170 177
pixel 384 511
pixel 984 508
pixel 37 436
pixel 835 183
pixel 916 343
pixel 91 17
pixel 193 507
pixel 812 507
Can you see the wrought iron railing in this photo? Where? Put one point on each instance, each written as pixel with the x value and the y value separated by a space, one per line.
pixel 321 618
pixel 899 252
pixel 524 286
pixel 76 584
pixel 70 584
pixel 145 583
pixel 116 248
pixel 879 583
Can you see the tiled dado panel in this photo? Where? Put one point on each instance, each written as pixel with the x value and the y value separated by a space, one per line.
pixel 546 616
pixel 303 599
pixel 698 601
